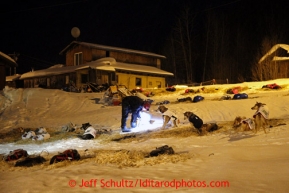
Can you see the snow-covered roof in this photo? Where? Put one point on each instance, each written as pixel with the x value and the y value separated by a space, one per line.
pixel 107 64
pixel 278 58
pixel 9 60
pixel 111 48
pixel 141 68
pixel 54 70
pixel 273 49
pixel 13 77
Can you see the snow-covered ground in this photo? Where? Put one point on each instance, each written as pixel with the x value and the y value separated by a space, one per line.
pixel 237 162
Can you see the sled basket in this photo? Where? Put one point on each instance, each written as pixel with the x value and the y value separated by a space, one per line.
pixel 16 154
pixel 69 154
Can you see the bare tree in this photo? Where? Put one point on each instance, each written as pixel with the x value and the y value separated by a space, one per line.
pixel 218 52
pixel 183 38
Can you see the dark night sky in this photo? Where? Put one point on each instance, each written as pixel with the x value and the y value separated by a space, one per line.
pixel 39 30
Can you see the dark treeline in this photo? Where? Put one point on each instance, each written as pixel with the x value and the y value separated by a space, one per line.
pixel 223 42
pixel 202 40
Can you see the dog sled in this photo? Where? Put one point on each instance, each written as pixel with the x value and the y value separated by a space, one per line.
pixel 69 154
pixel 15 155
pixel 114 95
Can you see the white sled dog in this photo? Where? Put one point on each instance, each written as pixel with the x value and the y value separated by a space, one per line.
pixel 168 116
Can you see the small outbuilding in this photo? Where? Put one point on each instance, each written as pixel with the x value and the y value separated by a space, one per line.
pixel 5 62
pixel 275 63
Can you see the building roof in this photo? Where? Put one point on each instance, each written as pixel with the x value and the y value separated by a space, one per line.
pixel 273 49
pixel 110 48
pixel 7 60
pixel 13 77
pixel 107 64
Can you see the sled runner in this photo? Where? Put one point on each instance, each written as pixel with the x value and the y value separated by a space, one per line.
pixel 130 132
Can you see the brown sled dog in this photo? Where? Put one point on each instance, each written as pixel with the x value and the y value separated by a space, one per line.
pixel 261 116
pixel 244 124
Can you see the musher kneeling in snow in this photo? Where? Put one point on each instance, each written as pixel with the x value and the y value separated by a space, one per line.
pixel 133 105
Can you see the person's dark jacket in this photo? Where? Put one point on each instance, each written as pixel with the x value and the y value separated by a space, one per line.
pixel 133 105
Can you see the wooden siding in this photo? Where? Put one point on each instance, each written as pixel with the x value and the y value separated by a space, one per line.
pixel 281 68
pixel 83 76
pixel 97 54
pixel 86 54
pixel 91 54
pixel 2 76
pixel 53 82
pixel 133 58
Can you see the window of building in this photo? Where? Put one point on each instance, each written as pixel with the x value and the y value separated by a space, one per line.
pixel 107 54
pixel 84 78
pixel 113 77
pixel 48 82
pixel 138 81
pixel 159 84
pixel 78 58
pixel 67 79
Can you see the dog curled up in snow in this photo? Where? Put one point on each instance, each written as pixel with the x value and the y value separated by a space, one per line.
pixel 28 135
pixel 89 131
pixel 41 134
pixel 210 127
pixel 196 121
pixel 168 116
pixel 244 124
pixel 261 115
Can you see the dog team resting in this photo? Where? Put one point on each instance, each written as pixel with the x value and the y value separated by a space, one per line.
pixel 135 104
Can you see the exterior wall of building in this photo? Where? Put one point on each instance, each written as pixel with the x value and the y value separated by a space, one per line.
pixel 53 82
pixel 133 58
pixel 2 76
pixel 91 54
pixel 88 55
pixel 132 81
pixel 83 76
pixel 97 54
pixel 282 69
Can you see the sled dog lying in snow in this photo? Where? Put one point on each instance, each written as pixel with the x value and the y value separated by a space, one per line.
pixel 168 116
pixel 28 135
pixel 261 116
pixel 260 119
pixel 244 124
pixel 197 122
pixel 89 131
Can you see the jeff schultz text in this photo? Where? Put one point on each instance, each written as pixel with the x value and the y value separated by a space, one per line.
pixel 149 183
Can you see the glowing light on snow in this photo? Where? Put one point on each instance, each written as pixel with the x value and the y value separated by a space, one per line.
pixel 55 146
pixel 148 121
